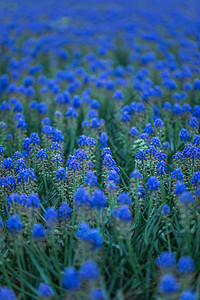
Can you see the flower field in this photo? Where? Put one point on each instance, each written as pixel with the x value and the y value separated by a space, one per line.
pixel 100 150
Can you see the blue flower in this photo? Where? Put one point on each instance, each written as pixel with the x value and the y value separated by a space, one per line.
pixel 60 98
pixel 1 223
pixel 28 80
pixel 51 216
pixel 83 140
pixel 34 104
pixel 196 140
pixel 46 121
pixel 178 156
pixel 168 284
pixel 155 142
pixel 14 224
pixel 166 145
pixel 57 136
pixel 180 188
pixel 34 139
pixel 158 122
pixel 124 198
pixel 141 154
pixel 42 108
pixel 177 109
pixel 151 150
pixel 125 117
pixel 162 168
pixel 55 146
pixel 18 107
pixel 85 123
pixel 190 151
pixel 108 161
pixel 193 122
pixel 186 198
pixel 21 124
pixel 3 124
pixel 82 233
pixel 80 155
pixel 98 200
pixel 91 179
pixel 6 293
pixel 48 130
pixel 195 180
pixel 25 175
pixel 188 295
pixel 187 86
pixel 76 101
pixel 165 210
pixel 160 155
pixel 42 154
pixel 64 211
pixel 9 181
pixel 140 108
pixel 45 290
pixel 61 174
pixel 141 192
pixel 136 174
pixel 144 136
pixel 166 260
pixel 71 113
pixel 92 114
pixel 103 140
pixel 106 151
pixel 9 137
pixel 71 280
pixel 73 163
pixel 94 238
pixel 133 132
pixel 89 271
pixel 95 104
pixel 177 173
pixel 184 135
pixel 8 163
pixel 123 213
pixel 21 199
pixel 4 81
pixel 196 111
pixel 186 265
pixel 113 176
pixel 152 184
pixel 97 294
pixel 20 165
pixel 81 197
pixel 38 231
pixel 118 95
pixel 95 123
pixel 196 84
pixel 1 150
pixel 148 128
pixel 33 200
pixel 90 235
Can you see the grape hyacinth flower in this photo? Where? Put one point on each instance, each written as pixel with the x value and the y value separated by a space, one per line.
pixel 14 224
pixel 6 293
pixel 45 290
pixel 89 271
pixel 168 284
pixel 152 184
pixel 38 231
pixel 166 260
pixel 71 279
pixel 186 265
